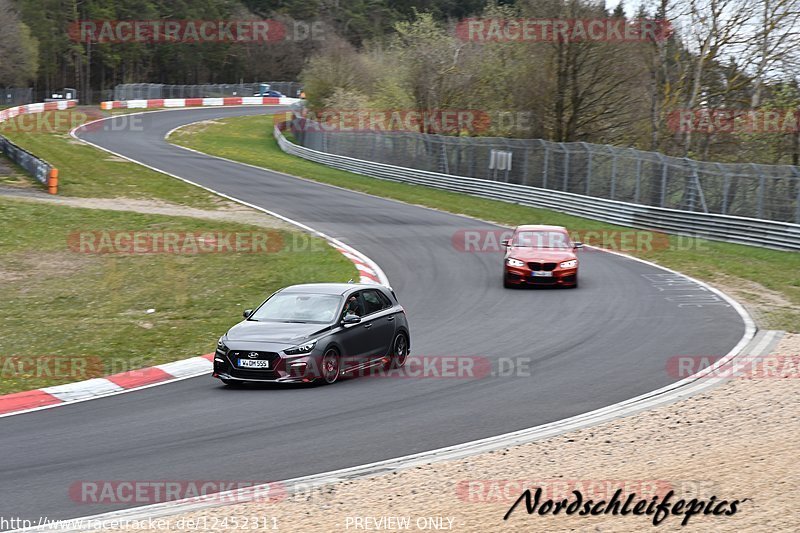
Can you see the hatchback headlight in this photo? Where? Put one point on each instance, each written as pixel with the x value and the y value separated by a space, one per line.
pixel 221 346
pixel 570 264
pixel 514 262
pixel 301 349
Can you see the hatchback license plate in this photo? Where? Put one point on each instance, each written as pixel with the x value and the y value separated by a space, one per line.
pixel 542 274
pixel 253 363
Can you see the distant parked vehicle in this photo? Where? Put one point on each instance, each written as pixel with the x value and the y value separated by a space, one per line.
pixel 264 90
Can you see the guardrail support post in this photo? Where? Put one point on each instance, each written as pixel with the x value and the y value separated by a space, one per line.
pixel 52 181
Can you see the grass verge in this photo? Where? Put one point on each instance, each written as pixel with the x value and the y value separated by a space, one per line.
pixel 767 281
pixel 70 315
pixel 87 172
pixel 64 303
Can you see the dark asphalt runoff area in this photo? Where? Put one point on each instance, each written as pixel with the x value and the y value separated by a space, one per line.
pixel 574 351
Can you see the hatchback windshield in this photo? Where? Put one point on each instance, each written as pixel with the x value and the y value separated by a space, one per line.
pixel 298 307
pixel 541 239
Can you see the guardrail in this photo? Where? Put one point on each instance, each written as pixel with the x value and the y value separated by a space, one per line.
pixel 146 91
pixel 198 102
pixel 40 169
pixel 770 192
pixel 739 230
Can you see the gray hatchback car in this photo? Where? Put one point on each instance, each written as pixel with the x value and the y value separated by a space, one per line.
pixel 315 332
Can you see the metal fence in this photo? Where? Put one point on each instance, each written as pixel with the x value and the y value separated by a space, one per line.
pixel 647 178
pixel 145 91
pixel 754 232
pixel 15 96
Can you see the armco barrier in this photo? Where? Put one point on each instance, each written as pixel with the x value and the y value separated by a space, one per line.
pixel 755 232
pixel 40 169
pixel 197 102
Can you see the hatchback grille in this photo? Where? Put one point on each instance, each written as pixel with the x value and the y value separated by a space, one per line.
pixel 542 266
pixel 235 355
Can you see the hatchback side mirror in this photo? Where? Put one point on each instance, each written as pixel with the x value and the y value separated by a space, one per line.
pixel 351 319
pixel 505 243
pixel 247 312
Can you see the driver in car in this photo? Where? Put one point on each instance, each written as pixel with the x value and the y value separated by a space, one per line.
pixel 351 307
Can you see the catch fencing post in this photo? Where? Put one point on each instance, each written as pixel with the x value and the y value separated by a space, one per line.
pixel 471 159
pixel 525 165
pixel 698 186
pixel 636 190
pixel 759 192
pixel 588 168
pixel 509 159
pixel 726 188
pixel 544 166
pixel 688 187
pixel 796 171
pixel 457 163
pixel 663 179
pixel 613 171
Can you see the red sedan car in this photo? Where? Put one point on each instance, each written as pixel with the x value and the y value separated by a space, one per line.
pixel 540 255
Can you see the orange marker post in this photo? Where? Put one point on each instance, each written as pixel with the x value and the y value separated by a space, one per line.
pixel 52 181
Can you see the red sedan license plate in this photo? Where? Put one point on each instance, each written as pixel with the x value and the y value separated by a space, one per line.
pixel 542 274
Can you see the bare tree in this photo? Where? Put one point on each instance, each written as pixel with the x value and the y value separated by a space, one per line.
pixel 776 41
pixel 716 27
pixel 18 50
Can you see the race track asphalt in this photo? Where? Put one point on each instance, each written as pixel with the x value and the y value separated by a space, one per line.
pixel 607 341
